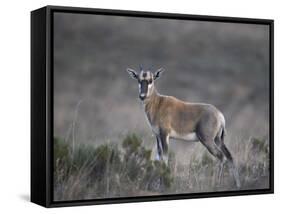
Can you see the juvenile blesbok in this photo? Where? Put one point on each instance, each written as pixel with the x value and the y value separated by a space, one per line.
pixel 170 117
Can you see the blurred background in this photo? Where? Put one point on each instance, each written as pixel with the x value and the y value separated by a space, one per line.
pixel 95 100
pixel 96 103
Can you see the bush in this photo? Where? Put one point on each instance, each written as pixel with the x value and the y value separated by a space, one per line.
pixel 107 170
pixel 127 170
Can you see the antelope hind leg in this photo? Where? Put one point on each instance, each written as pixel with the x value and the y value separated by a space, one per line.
pixel 213 149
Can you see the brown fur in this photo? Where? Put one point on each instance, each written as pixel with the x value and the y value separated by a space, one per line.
pixel 170 113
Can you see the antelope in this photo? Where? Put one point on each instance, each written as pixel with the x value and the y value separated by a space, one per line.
pixel 170 117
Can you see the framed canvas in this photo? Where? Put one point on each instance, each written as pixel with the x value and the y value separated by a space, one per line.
pixel 133 106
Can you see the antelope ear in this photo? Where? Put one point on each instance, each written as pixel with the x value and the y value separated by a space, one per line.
pixel 157 73
pixel 132 73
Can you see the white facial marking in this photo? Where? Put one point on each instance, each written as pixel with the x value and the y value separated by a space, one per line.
pixel 141 75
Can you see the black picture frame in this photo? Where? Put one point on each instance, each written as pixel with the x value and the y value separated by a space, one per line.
pixel 42 104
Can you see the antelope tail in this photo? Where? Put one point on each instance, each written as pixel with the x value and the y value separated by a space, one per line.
pixel 223 133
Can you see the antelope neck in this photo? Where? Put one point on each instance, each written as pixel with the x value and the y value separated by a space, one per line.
pixel 151 104
pixel 152 98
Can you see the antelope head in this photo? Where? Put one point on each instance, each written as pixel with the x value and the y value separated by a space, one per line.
pixel 146 79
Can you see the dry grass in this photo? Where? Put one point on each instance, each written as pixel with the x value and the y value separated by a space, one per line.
pixel 200 173
pixel 109 170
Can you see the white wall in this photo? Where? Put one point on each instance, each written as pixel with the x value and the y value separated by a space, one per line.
pixel 15 105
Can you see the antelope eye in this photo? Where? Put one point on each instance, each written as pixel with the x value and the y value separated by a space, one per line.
pixel 150 81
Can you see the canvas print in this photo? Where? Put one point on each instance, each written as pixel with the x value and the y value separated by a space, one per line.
pixel 149 106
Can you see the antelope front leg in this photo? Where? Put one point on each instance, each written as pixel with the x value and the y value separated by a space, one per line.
pixel 164 139
pixel 159 152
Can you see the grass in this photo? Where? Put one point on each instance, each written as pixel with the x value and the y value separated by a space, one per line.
pixel 110 170
pixel 107 171
pixel 200 174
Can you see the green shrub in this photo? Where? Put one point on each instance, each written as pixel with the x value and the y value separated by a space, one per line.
pixel 259 145
pixel 107 170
